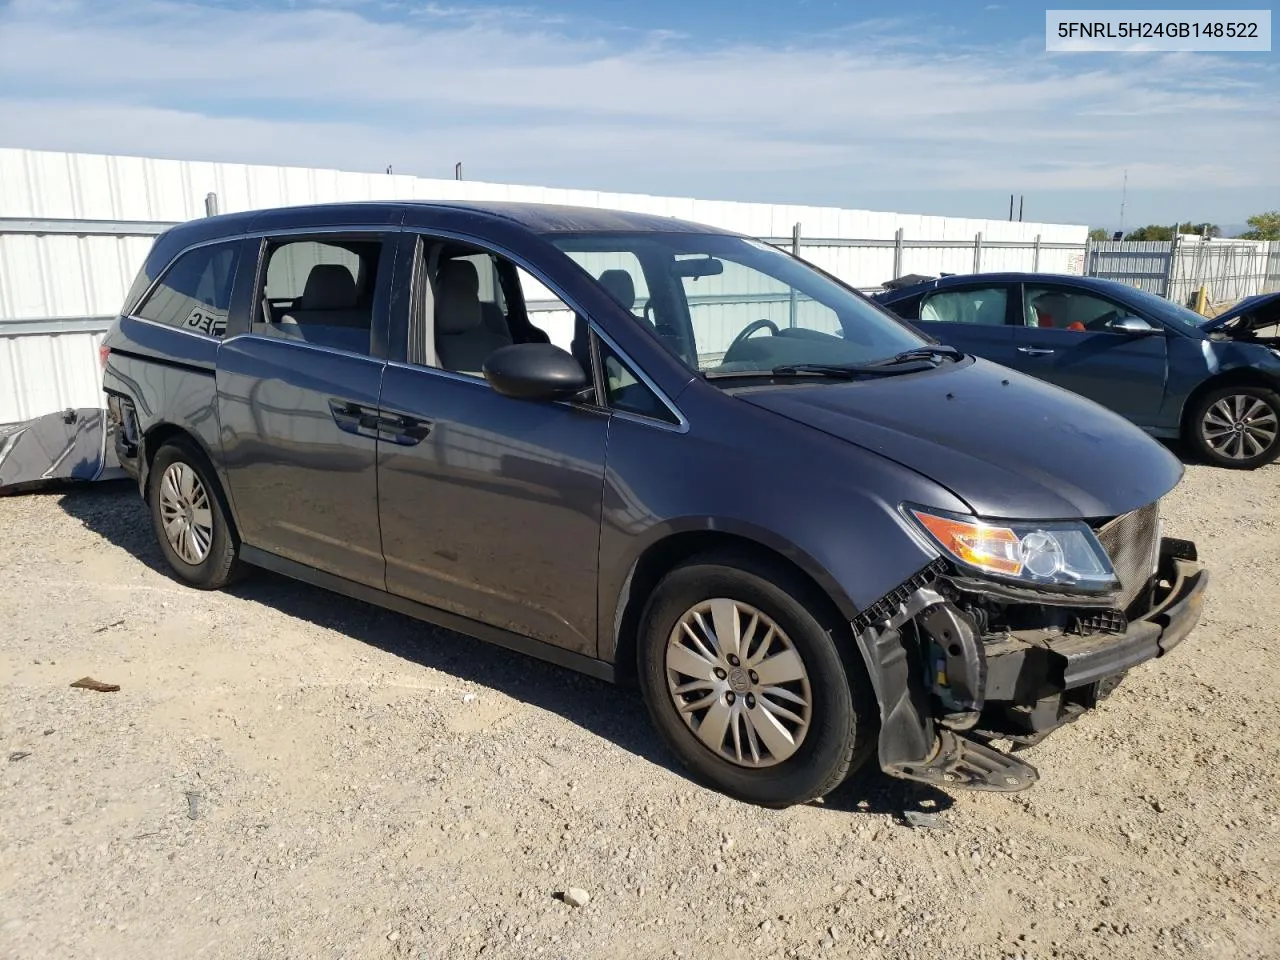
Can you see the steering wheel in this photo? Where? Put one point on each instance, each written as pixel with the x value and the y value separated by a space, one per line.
pixel 751 328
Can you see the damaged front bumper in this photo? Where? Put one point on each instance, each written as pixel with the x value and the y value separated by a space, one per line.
pixel 949 676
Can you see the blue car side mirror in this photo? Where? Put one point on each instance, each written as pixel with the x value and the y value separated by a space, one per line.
pixel 1134 326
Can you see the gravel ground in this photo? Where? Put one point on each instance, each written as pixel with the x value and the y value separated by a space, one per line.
pixel 286 773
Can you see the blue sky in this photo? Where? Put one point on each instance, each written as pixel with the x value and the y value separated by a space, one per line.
pixel 914 106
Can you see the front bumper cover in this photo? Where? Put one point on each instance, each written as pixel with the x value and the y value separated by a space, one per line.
pixel 1030 682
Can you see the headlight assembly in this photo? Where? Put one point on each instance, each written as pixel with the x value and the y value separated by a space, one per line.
pixel 1063 554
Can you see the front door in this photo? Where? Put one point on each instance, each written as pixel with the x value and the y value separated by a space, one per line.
pixel 1064 338
pixel 489 506
pixel 298 402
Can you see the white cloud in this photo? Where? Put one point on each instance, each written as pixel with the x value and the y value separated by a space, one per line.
pixel 521 96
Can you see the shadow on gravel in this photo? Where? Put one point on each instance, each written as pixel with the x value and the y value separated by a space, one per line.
pixel 114 511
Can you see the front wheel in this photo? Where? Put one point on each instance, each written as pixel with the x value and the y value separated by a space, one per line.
pixel 745 684
pixel 1237 427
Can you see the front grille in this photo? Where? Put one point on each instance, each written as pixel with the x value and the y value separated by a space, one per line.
pixel 1132 541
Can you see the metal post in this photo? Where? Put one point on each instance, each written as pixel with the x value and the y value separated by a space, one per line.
pixel 977 253
pixel 457 170
pixel 1035 262
pixel 211 205
pixel 795 252
pixel 897 250
pixel 1167 292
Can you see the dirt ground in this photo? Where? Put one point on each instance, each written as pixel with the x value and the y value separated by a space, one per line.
pixel 286 773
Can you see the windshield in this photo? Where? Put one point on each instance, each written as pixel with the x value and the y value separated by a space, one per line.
pixel 1166 309
pixel 731 306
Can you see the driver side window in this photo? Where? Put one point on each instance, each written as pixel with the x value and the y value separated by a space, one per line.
pixel 1062 309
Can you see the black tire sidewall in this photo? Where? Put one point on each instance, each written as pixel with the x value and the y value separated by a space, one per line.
pixel 219 566
pixel 1270 397
pixel 823 759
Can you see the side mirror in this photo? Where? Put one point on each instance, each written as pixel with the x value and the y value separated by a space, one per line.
pixel 534 371
pixel 1134 326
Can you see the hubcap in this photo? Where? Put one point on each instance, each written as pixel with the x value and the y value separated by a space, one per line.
pixel 185 513
pixel 739 683
pixel 1240 427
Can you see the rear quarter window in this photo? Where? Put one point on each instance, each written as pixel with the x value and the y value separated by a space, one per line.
pixel 194 294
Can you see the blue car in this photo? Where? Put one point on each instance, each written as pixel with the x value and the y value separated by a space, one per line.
pixel 1213 383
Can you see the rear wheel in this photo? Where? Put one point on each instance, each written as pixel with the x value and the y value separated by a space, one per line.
pixel 745 683
pixel 1236 427
pixel 190 520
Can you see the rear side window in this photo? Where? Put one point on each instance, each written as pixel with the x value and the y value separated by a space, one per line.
pixel 195 293
pixel 987 306
pixel 320 292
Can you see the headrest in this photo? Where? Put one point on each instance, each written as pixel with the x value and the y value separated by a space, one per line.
pixel 457 298
pixel 465 269
pixel 1052 308
pixel 330 286
pixel 620 286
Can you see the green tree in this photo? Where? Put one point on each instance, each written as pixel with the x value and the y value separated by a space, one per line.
pixel 1097 233
pixel 1200 229
pixel 1266 226
pixel 1155 231
pixel 1151 231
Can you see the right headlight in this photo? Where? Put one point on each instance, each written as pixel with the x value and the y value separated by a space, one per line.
pixel 1063 554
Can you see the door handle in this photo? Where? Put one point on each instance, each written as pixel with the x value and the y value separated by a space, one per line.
pixel 354 417
pixel 403 430
pixel 1036 351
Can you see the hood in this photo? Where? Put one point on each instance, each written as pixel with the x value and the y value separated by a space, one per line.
pixel 1008 445
pixel 1254 313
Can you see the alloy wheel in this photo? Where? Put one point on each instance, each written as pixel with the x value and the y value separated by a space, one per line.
pixel 739 683
pixel 1239 427
pixel 185 513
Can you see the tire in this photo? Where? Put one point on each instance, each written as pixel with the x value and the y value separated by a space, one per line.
pixel 1225 425
pixel 207 551
pixel 835 689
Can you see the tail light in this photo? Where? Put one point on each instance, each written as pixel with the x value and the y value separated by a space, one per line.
pixel 103 353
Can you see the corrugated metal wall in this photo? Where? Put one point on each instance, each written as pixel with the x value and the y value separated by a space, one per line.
pixel 70 280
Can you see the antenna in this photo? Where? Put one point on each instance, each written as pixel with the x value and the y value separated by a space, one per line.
pixel 1124 195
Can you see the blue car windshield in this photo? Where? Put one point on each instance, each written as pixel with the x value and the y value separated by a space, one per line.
pixel 729 306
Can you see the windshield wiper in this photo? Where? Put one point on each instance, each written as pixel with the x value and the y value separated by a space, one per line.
pixel 837 371
pixel 930 352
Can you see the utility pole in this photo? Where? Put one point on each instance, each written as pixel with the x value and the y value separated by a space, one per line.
pixel 1124 195
pixel 1021 199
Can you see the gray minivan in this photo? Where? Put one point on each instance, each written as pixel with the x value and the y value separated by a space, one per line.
pixel 652 450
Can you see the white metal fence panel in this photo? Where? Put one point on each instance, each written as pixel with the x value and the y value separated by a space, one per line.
pixel 66 276
pixel 1228 270
pixel 49 372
